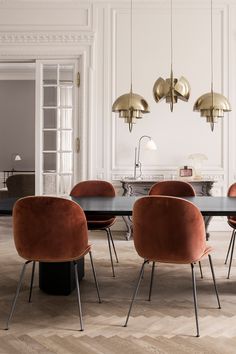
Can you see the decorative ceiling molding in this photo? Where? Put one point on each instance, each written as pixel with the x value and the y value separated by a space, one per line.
pixel 46 37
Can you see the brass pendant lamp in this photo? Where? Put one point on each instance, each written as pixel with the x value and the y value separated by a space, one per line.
pixel 171 89
pixel 130 106
pixel 212 105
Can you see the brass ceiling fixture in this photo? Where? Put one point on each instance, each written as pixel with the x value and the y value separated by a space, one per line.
pixel 212 105
pixel 171 89
pixel 130 106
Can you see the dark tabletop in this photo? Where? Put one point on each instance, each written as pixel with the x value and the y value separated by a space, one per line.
pixel 6 206
pixel 209 206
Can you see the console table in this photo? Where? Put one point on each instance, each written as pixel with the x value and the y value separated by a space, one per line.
pixel 137 187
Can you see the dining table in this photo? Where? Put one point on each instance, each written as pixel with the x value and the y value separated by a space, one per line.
pixel 58 278
pixel 123 205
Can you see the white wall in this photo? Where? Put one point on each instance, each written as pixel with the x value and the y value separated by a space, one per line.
pixel 183 132
pixel 100 31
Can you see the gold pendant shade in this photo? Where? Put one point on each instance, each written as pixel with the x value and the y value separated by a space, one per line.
pixel 171 89
pixel 130 106
pixel 212 105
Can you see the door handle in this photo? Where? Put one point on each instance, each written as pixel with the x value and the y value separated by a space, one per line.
pixel 77 145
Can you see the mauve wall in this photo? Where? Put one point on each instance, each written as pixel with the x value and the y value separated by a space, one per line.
pixel 17 123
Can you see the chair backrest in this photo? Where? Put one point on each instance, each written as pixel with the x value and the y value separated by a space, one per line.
pixel 172 188
pixel 168 229
pixel 49 229
pixel 232 190
pixel 93 188
pixel 232 193
pixel 21 185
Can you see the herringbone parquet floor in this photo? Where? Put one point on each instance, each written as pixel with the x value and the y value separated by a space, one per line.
pixel 165 325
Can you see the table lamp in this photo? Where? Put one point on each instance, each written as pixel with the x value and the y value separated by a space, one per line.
pixel 15 157
pixel 150 145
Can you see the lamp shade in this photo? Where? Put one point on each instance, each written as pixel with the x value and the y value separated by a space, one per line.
pixel 17 157
pixel 212 105
pixel 130 106
pixel 151 145
pixel 171 89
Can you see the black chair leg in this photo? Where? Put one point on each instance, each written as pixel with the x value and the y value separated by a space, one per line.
pixel 195 298
pixel 32 281
pixel 230 244
pixel 135 292
pixel 109 245
pixel 214 280
pixel 113 245
pixel 78 295
pixel 95 277
pixel 17 294
pixel 231 255
pixel 200 268
pixel 151 282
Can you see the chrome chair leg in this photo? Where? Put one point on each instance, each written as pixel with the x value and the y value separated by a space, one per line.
pixel 214 280
pixel 32 281
pixel 113 245
pixel 16 294
pixel 231 255
pixel 200 268
pixel 135 292
pixel 195 298
pixel 95 277
pixel 109 245
pixel 230 244
pixel 78 295
pixel 151 282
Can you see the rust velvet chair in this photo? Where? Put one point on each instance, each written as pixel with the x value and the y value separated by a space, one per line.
pixel 232 223
pixel 159 239
pixel 98 188
pixel 172 188
pixel 50 229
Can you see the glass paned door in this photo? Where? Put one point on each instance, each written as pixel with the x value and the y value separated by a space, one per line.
pixel 57 111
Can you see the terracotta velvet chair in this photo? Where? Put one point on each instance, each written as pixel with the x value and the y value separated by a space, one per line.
pixel 232 223
pixel 169 230
pixel 98 188
pixel 50 229
pixel 174 189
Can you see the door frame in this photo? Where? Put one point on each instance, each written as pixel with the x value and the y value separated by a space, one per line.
pixel 78 51
pixel 39 120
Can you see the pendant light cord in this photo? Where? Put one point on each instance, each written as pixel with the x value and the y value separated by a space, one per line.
pixel 211 49
pixel 212 94
pixel 171 35
pixel 131 45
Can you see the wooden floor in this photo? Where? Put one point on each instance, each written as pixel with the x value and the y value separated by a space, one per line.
pixel 165 325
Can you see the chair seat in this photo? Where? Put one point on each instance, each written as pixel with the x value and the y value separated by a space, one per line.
pixel 81 255
pixel 98 224
pixel 181 261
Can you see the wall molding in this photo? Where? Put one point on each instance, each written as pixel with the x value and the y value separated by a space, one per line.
pixel 42 37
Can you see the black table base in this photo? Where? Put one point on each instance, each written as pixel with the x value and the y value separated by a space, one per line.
pixel 59 278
